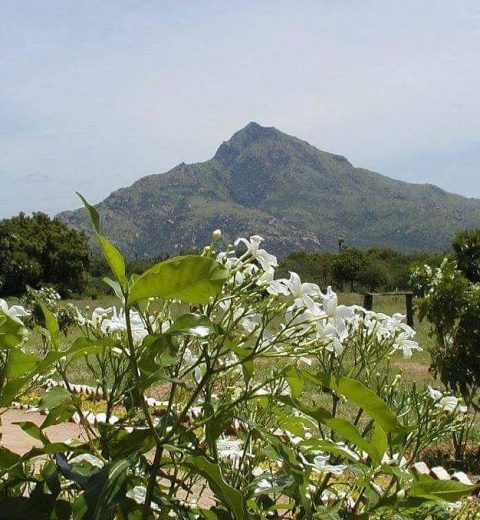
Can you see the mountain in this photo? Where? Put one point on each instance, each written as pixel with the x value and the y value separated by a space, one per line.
pixel 262 181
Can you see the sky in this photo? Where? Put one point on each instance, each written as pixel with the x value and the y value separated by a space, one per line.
pixel 98 93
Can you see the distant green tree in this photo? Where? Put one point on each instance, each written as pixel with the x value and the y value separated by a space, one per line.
pixel 37 250
pixel 347 266
pixel 466 246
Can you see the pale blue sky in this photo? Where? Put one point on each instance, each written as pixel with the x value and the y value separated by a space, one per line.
pixel 95 94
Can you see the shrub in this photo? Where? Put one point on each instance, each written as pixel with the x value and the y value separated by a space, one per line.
pixel 277 402
pixel 38 251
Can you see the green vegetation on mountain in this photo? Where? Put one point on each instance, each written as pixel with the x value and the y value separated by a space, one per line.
pixel 297 197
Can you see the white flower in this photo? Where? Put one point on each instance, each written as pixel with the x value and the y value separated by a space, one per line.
pixel 331 307
pixel 336 347
pixel 118 323
pixel 15 311
pixel 301 292
pixel 87 457
pixel 229 449
pixel 406 345
pixel 434 394
pixel 266 260
pixel 138 495
pixel 320 465
pixel 450 403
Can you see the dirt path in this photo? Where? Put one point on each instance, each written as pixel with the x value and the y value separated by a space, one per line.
pixel 19 442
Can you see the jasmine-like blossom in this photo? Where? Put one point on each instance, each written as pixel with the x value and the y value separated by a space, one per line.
pixel 303 293
pixel 267 261
pixel 320 465
pixel 15 311
pixel 434 394
pixel 450 403
pixel 404 343
pixel 229 449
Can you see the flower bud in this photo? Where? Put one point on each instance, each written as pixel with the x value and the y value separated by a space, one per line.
pixel 216 235
pixel 401 494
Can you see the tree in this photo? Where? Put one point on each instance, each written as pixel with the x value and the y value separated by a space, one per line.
pixel 466 246
pixel 347 266
pixel 38 250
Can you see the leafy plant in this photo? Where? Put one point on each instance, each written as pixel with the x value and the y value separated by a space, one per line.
pixel 269 401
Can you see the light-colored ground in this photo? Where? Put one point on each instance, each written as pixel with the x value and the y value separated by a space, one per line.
pixel 16 440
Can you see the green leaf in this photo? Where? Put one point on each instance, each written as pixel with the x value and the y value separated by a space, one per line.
pixel 379 439
pixel 12 331
pixel 217 424
pixel 295 381
pixel 341 427
pixel 54 397
pixel 102 491
pixel 246 359
pixel 20 363
pixel 115 286
pixel 448 490
pixel 51 323
pixel 60 414
pixel 33 430
pixel 112 255
pixel 193 279
pixel 363 397
pixel 230 498
pixel 328 446
pixel 192 325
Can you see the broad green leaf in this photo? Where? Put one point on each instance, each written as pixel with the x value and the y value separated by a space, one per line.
pixel 8 458
pixel 379 439
pixel 33 430
pixel 112 255
pixel 328 446
pixel 12 331
pixel 51 323
pixel 102 491
pixel 60 414
pixel 115 286
pixel 217 424
pixel 54 397
pixel 359 394
pixel 230 498
pixel 295 381
pixel 192 325
pixel 20 363
pixel 449 490
pixel 296 425
pixel 246 359
pixel 193 279
pixel 341 427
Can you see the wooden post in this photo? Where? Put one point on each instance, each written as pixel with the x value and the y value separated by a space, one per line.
pixel 368 301
pixel 409 303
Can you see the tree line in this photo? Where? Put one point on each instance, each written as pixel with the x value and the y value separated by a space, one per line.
pixel 37 250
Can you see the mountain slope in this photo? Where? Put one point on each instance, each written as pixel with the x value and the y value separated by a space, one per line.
pixel 265 182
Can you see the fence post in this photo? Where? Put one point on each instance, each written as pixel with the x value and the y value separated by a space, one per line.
pixel 368 301
pixel 409 303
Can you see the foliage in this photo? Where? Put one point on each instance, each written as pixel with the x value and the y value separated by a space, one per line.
pixel 450 301
pixel 466 247
pixel 348 265
pixel 36 300
pixel 277 402
pixel 37 250
pixel 296 196
pixel 383 269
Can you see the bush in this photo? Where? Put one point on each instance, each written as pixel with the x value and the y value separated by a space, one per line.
pixel 275 401
pixel 450 301
pixel 38 251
